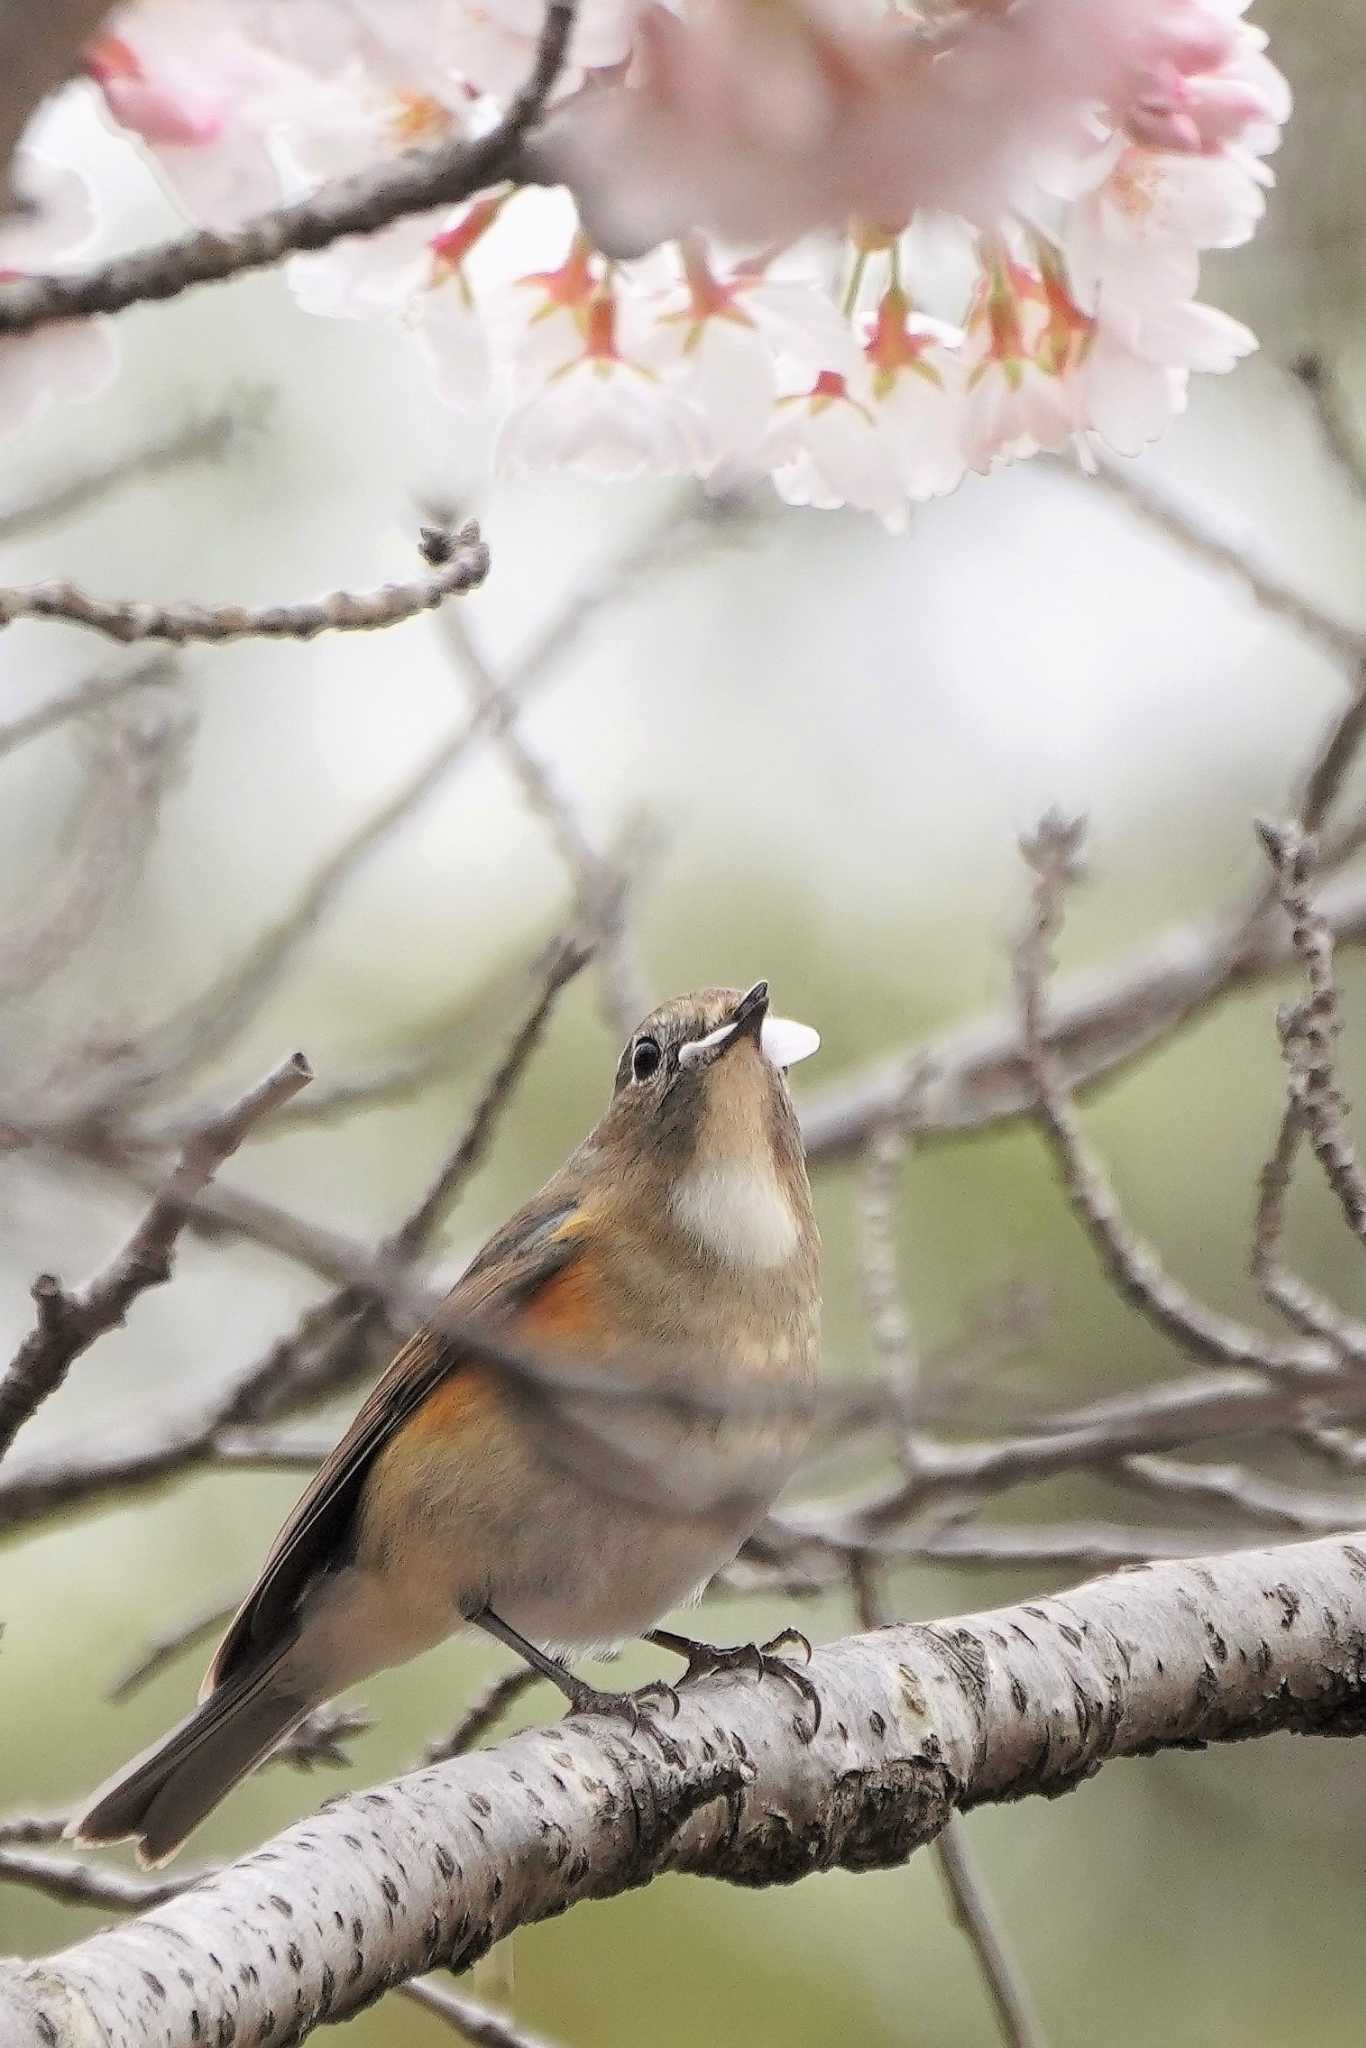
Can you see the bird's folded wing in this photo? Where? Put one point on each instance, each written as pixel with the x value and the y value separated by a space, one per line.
pixel 530 1251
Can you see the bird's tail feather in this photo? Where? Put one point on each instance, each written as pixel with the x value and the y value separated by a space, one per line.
pixel 163 1794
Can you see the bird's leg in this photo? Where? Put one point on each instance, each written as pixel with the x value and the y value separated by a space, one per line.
pixel 583 1699
pixel 761 1659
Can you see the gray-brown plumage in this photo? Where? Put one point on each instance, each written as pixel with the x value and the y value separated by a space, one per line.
pixel 676 1250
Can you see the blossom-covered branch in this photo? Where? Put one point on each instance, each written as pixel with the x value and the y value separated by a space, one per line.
pixel 773 169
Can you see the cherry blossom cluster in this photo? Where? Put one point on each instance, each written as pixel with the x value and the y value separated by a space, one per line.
pixel 856 249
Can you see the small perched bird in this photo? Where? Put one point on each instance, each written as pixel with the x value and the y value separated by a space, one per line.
pixel 675 1254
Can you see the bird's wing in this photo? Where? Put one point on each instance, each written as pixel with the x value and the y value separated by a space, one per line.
pixel 527 1253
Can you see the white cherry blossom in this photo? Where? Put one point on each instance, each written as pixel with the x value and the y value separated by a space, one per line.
pixel 602 409
pixel 75 359
pixel 757 189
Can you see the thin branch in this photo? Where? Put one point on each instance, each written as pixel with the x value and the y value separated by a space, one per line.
pixel 1100 1024
pixel 883 1298
pixel 472 2021
pixel 69 1323
pixel 463 568
pixel 1340 434
pixel 202 440
pixel 133 758
pixel 1188 530
pixel 358 205
pixel 600 888
pixel 968 1901
pixel 318 1739
pixel 485 1713
pixel 164 1649
pixel 561 963
pixel 31 1828
pixel 972 1910
pixel 1132 1266
pixel 1303 1307
pixel 1261 1502
pixel 72 1881
pixel 1309 1031
pixel 96 694
pixel 212 1020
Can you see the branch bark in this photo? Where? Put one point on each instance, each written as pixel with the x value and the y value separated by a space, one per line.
pixel 461 562
pixel 919 1720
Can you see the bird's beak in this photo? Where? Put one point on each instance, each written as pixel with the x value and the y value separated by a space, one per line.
pixel 778 1038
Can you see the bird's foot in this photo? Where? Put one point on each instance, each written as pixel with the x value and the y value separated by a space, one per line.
pixel 761 1660
pixel 631 1707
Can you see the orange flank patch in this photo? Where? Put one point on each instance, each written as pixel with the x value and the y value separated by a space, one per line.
pixel 563 1312
pixel 565 1309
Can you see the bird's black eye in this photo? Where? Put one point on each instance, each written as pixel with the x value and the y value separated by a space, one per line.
pixel 645 1059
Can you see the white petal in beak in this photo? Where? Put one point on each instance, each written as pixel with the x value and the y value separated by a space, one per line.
pixel 786 1042
pixel 698 1049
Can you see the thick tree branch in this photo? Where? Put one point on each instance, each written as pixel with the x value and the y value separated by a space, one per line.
pixel 919 1721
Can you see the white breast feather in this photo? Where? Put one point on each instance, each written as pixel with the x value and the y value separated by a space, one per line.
pixel 740 1215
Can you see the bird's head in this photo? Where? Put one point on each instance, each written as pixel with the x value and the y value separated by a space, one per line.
pixel 701 1121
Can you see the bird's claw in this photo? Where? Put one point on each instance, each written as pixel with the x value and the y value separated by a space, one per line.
pixel 631 1707
pixel 762 1661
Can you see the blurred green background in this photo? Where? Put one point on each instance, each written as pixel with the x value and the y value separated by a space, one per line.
pixel 842 736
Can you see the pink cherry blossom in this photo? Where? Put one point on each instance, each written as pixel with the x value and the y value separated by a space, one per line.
pixel 1045 174
pixel 764 121
pixel 184 76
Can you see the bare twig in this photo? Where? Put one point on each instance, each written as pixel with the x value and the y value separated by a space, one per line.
pixel 1100 1023
pixel 883 1300
pixel 471 2020
pixel 31 1828
pixel 562 962
pixel 133 757
pixel 484 1714
pixel 73 1881
pixel 1309 1031
pixel 318 1739
pixel 599 887
pixel 1303 1307
pixel 968 1901
pixel 69 1323
pixel 1132 1266
pixel 1340 435
pixel 341 611
pixel 96 694
pixel 972 1910
pixel 202 440
pixel 1260 1502
pixel 164 1649
pixel 1188 530
pixel 349 206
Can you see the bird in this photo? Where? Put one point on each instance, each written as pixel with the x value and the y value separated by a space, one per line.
pixel 670 1272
